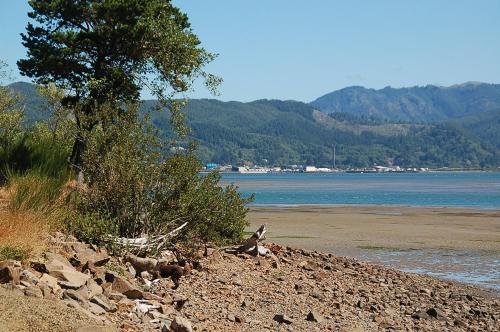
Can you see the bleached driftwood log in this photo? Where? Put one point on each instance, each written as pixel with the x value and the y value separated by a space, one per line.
pixel 148 243
pixel 251 246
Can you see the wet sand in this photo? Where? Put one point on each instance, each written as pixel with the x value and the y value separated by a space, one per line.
pixel 346 228
pixel 451 243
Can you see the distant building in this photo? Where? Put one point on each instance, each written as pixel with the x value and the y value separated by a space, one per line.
pixel 211 166
pixel 250 170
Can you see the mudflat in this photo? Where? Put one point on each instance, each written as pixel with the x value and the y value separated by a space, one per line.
pixel 345 230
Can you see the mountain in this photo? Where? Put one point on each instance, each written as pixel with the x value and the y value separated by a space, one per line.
pixel 428 104
pixel 31 102
pixel 276 132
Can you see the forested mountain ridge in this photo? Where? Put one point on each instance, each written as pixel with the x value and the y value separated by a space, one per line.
pixel 428 104
pixel 275 132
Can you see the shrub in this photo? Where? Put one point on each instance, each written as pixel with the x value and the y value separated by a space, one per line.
pixel 131 190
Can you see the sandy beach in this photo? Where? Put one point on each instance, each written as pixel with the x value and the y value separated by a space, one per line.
pixel 346 228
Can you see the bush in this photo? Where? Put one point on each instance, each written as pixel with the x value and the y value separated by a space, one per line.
pixel 93 228
pixel 132 191
pixel 213 213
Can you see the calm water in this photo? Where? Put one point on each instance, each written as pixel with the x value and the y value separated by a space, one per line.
pixel 452 189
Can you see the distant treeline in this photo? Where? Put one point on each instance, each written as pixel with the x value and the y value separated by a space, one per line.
pixel 273 132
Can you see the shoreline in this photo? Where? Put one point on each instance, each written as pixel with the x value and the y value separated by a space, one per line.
pixel 357 221
pixel 341 205
pixel 460 244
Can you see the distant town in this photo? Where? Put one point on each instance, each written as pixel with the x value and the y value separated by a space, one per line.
pixel 307 169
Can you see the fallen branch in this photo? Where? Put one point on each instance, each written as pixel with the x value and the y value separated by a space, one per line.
pixel 251 246
pixel 148 242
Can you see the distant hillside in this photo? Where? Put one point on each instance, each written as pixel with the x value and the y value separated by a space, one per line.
pixel 31 101
pixel 278 132
pixel 429 104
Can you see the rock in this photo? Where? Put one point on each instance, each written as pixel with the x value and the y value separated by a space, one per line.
pixel 180 324
pixel 50 281
pixel 92 268
pixel 117 297
pixel 25 283
pixel 282 319
pixel 9 273
pixel 54 259
pixel 70 294
pixel 314 316
pixel 46 291
pixel 164 325
pixel 26 275
pixel 231 318
pixel 33 291
pixel 104 303
pixel 86 255
pixel 96 309
pixel 72 276
pixel 94 288
pixel 436 313
pixel 120 285
pixel 68 285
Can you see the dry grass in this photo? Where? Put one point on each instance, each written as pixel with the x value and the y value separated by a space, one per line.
pixel 23 230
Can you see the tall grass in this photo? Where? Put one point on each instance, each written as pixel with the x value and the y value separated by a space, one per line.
pixel 32 202
pixel 34 191
pixel 35 149
pixel 32 206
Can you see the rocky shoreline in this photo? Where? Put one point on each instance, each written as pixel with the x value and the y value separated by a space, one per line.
pixel 287 290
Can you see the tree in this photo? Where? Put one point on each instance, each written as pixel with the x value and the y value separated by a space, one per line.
pixel 103 52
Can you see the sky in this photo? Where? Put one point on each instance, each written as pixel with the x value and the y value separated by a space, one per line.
pixel 301 50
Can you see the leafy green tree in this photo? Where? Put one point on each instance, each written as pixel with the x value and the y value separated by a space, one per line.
pixel 103 52
pixel 11 130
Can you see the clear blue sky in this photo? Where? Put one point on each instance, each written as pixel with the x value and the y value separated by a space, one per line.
pixel 290 49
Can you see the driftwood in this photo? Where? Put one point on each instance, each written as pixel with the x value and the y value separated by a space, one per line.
pixel 158 268
pixel 251 246
pixel 148 243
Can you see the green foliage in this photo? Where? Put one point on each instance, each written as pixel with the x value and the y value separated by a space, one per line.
pixel 11 130
pixel 13 252
pixel 286 133
pixel 80 46
pixel 93 228
pixel 132 189
pixel 213 213
pixel 120 166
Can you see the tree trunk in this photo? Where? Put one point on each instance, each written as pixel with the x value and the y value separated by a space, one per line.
pixel 76 159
